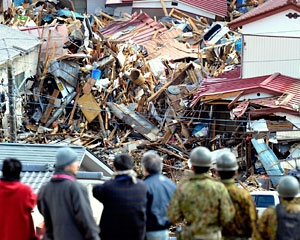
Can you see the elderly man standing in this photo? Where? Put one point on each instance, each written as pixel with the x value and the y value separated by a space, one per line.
pixel 160 191
pixel 64 202
pixel 203 202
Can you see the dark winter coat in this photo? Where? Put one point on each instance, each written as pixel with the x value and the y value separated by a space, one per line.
pixel 124 213
pixel 17 201
pixel 65 205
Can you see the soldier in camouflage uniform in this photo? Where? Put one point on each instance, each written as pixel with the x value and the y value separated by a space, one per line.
pixel 283 221
pixel 203 202
pixel 243 225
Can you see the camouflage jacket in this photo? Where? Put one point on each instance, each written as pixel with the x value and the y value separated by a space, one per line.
pixel 244 222
pixel 203 202
pixel 267 223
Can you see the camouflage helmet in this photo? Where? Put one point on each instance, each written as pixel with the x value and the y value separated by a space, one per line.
pixel 226 162
pixel 288 186
pixel 200 157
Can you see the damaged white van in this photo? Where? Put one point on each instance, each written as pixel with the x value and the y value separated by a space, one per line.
pixel 264 199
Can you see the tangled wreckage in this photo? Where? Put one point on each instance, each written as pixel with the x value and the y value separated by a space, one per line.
pixel 134 84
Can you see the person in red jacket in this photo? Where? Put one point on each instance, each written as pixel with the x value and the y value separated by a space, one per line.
pixel 17 201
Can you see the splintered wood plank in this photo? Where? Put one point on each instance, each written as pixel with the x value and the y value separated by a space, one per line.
pixel 49 108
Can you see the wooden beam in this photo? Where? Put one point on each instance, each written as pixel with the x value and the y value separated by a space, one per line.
pixel 49 108
pixel 74 107
pixel 230 105
pixel 219 96
pixel 193 25
pixel 164 7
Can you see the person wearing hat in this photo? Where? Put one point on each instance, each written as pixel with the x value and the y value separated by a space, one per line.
pixel 203 202
pixel 282 221
pixel 243 225
pixel 64 202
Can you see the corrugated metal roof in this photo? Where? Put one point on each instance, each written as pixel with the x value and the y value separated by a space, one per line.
pixel 141 32
pixel 268 8
pixel 218 7
pixel 214 86
pixel 14 43
pixel 269 160
pixel 140 28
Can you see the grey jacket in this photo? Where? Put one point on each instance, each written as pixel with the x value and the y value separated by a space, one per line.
pixel 65 205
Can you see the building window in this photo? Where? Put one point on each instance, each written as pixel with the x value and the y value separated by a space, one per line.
pixel 18 80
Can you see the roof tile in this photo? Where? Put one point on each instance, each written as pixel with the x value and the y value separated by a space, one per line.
pixel 281 85
pixel 263 10
pixel 218 7
pixel 140 28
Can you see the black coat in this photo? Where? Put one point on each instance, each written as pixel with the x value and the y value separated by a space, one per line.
pixel 124 213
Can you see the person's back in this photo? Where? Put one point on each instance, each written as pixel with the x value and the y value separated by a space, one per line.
pixel 282 221
pixel 243 225
pixel 124 201
pixel 64 203
pixel 17 201
pixel 160 189
pixel 203 202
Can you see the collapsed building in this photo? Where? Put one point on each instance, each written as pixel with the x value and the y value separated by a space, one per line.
pixel 135 84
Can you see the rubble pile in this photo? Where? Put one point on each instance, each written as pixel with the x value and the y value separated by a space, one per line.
pixel 120 85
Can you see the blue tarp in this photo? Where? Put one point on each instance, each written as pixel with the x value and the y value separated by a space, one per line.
pixel 67 13
pixel 269 160
pixel 20 2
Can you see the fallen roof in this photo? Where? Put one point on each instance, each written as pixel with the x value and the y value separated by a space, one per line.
pixel 266 9
pixel 219 7
pixel 141 29
pixel 14 43
pixel 284 86
pixel 165 46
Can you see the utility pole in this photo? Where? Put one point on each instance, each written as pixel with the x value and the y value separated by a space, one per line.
pixel 11 99
pixel 11 103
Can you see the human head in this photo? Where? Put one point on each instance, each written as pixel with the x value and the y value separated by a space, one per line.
pixel 288 187
pixel 11 169
pixel 226 165
pixel 151 163
pixel 200 159
pixel 123 162
pixel 66 159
